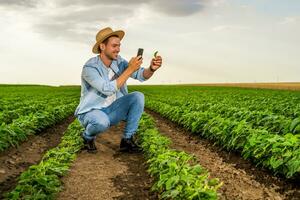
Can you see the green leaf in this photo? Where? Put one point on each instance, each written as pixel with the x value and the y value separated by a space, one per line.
pixel 294 124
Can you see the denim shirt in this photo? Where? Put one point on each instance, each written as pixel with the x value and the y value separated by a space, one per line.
pixel 96 86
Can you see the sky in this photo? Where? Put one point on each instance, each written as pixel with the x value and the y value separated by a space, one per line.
pixel 200 41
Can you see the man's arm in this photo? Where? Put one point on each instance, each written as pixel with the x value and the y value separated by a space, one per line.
pixel 133 65
pixel 148 73
pixel 154 65
pixel 108 88
pixel 138 74
pixel 91 75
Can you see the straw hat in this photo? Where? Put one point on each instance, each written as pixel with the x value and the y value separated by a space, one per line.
pixel 105 33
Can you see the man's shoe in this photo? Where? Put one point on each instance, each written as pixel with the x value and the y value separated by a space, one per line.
pixel 128 145
pixel 89 145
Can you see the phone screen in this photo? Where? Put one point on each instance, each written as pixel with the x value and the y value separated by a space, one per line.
pixel 140 52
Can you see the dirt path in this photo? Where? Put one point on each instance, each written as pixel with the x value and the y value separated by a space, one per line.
pixel 242 180
pixel 14 161
pixel 108 174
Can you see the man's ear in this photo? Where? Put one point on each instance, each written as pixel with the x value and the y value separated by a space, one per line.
pixel 102 46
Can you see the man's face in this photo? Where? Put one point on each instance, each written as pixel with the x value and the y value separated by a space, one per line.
pixel 112 48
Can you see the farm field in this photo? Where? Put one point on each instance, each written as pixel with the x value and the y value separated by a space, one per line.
pixel 279 85
pixel 261 126
pixel 150 100
pixel 199 142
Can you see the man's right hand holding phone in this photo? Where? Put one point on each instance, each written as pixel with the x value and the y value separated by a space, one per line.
pixel 135 63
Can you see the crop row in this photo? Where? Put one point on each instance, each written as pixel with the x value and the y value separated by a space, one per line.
pixel 16 97
pixel 21 128
pixel 285 103
pixel 42 181
pixel 177 174
pixel 257 119
pixel 7 116
pixel 280 153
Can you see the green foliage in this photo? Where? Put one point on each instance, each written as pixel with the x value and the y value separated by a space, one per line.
pixel 263 125
pixel 26 110
pixel 41 181
pixel 177 174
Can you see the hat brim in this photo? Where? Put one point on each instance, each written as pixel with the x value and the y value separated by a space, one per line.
pixel 118 33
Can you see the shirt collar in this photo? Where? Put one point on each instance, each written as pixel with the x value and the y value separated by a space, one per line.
pixel 113 66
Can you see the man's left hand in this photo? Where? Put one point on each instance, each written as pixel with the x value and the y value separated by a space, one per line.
pixel 156 63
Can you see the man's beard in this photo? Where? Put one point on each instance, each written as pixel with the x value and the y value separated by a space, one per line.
pixel 110 57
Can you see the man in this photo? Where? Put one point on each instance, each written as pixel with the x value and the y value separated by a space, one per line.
pixel 104 97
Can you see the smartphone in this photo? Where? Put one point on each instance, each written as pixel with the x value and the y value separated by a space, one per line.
pixel 140 52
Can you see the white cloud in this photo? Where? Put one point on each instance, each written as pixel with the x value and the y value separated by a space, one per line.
pixel 229 27
pixel 289 20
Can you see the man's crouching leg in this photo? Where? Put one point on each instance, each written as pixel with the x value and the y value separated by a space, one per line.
pixel 136 103
pixel 95 122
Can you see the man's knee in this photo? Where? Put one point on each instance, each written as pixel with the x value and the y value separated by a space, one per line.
pixel 101 125
pixel 138 96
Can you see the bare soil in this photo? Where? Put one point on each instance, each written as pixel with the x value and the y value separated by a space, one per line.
pixel 108 174
pixel 15 160
pixel 242 180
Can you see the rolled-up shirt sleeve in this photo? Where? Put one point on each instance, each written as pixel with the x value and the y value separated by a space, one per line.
pixel 139 74
pixel 91 75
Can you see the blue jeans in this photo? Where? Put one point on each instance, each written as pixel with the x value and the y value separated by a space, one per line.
pixel 128 108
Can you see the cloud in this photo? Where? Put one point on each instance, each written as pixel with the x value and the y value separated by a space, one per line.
pixel 19 3
pixel 289 20
pixel 172 8
pixel 229 27
pixel 217 3
pixel 80 24
pixel 178 8
pixel 97 2
pixel 78 19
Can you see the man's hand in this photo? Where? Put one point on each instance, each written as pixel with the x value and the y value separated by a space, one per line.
pixel 135 63
pixel 156 63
